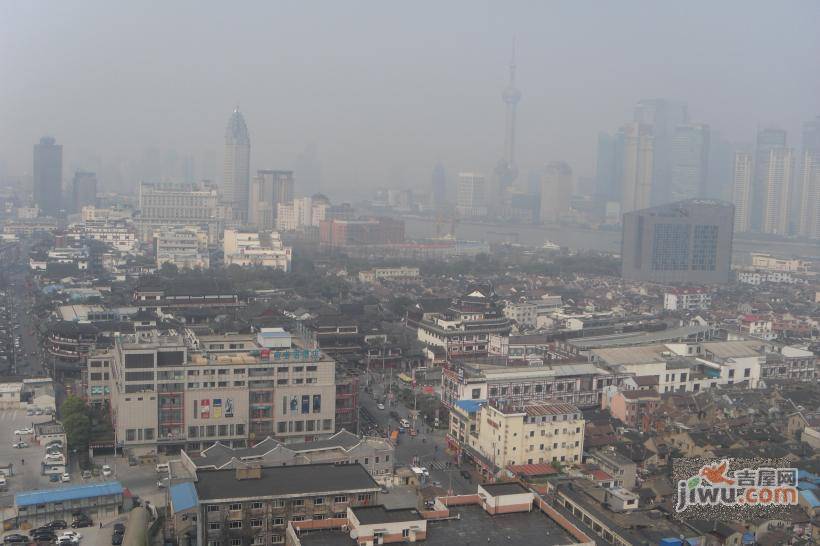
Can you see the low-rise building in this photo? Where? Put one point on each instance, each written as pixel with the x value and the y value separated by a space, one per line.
pixel 388 273
pixel 250 249
pixel 634 408
pixel 530 434
pixel 182 247
pixel 255 505
pixel 687 299
pixel 98 500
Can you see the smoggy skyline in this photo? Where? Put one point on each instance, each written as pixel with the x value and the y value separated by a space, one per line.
pixel 382 92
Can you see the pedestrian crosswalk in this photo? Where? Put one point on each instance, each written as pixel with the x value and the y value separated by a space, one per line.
pixel 438 465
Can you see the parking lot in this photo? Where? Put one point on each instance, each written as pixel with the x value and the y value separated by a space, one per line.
pixel 91 536
pixel 27 461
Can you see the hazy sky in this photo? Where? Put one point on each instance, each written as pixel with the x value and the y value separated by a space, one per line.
pixel 384 89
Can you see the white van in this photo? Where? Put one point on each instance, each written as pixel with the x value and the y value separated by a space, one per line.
pixel 163 467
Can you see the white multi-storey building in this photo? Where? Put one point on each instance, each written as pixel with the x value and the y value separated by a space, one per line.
pixel 299 213
pixel 687 299
pixel 164 205
pixel 174 390
pixel 183 247
pixel 249 249
pixel 778 191
pixel 742 190
pixel 471 195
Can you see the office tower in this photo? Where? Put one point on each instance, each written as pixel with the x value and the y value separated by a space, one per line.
pixel 607 168
pixel 809 205
pixel 685 242
pixel 237 167
pixel 83 190
pixel 164 205
pixel 663 115
pixel 439 186
pixel 637 145
pixel 690 161
pixel 471 195
pixel 269 188
pixel 719 175
pixel 742 190
pixel 48 176
pixel 556 191
pixel 507 171
pixel 767 139
pixel 777 185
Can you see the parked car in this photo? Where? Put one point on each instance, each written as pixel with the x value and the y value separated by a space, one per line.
pixel 58 524
pixel 82 522
pixel 19 445
pixel 9 539
pixel 132 461
pixel 66 477
pixel 119 528
pixel 380 406
pixel 116 539
pixel 106 470
pixel 163 467
pixel 54 478
pixel 73 535
pixel 86 474
pixel 24 431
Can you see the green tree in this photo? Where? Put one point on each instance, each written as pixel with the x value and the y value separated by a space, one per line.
pixel 78 431
pixel 76 422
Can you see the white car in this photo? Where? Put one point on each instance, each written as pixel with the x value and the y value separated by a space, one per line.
pixel 23 431
pixel 66 477
pixel 106 470
pixel 19 445
pixel 73 536
pixel 380 406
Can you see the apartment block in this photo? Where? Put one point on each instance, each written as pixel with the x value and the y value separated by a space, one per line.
pixel 530 434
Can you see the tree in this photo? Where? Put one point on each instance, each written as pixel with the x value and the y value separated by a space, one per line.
pixel 78 431
pixel 76 422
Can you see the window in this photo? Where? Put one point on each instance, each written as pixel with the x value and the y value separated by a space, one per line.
pixel 476 394
pixel 277 539
pixel 130 435
pixel 256 505
pixel 235 506
pixel 747 372
pixel 278 521
pixel 277 503
pixel 362 497
pixel 318 501
pixel 405 533
pixel 213 508
pixel 256 523
pixel 235 524
pixel 214 526
pixel 236 541
pixel 340 498
pixel 327 424
pixel 299 502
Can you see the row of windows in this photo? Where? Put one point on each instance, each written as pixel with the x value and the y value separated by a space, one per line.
pixel 280 503
pixel 309 425
pixel 209 431
pixel 135 434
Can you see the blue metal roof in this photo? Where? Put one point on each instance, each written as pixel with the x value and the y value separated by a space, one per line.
pixel 183 497
pixel 811 498
pixel 29 498
pixel 470 406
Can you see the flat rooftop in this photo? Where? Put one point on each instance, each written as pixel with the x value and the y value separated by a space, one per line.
pixel 508 488
pixel 282 481
pixel 473 528
pixel 368 515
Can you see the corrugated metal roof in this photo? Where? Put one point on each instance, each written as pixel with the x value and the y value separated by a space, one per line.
pixel 470 406
pixel 734 349
pixel 183 497
pixel 28 498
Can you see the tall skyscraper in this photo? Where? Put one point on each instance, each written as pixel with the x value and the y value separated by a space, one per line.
pixel 607 168
pixel 809 205
pixel 778 186
pixel 471 195
pixel 663 115
pixel 237 168
pixel 742 190
pixel 684 242
pixel 767 139
pixel 690 161
pixel 636 166
pixel 556 191
pixel 268 190
pixel 83 190
pixel 507 171
pixel 439 186
pixel 48 176
pixel 809 190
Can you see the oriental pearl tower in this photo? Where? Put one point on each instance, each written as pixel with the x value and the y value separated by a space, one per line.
pixel 507 171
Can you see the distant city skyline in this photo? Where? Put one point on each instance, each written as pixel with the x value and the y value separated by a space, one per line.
pixel 342 107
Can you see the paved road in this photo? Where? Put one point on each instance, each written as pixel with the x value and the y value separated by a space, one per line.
pixel 428 448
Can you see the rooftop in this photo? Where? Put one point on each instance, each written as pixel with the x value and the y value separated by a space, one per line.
pixel 284 481
pixel 475 526
pixel 368 515
pixel 504 488
pixel 73 492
